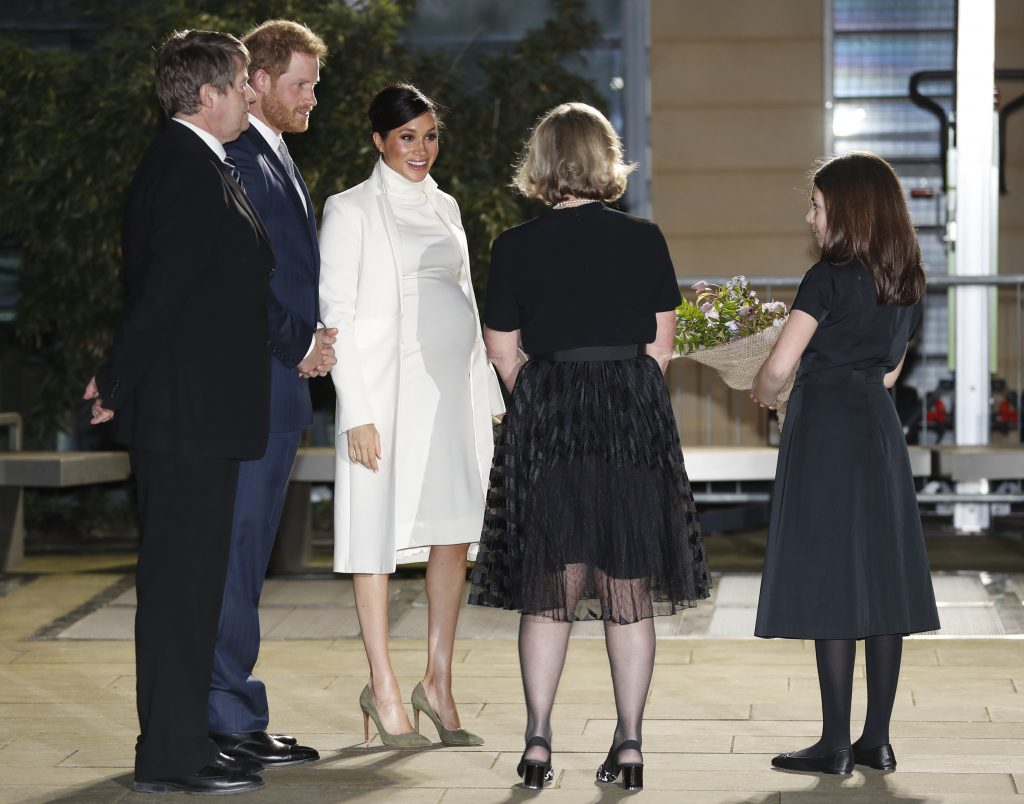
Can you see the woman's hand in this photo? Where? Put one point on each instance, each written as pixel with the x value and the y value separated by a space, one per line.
pixel 364 446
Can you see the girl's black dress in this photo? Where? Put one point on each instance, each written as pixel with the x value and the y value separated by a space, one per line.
pixel 846 557
pixel 589 512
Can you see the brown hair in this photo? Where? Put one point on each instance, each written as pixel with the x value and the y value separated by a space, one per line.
pixel 573 150
pixel 272 43
pixel 867 219
pixel 190 59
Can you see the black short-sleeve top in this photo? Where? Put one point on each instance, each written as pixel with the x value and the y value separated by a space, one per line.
pixel 854 330
pixel 581 276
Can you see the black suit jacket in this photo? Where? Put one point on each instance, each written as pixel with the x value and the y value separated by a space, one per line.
pixel 190 372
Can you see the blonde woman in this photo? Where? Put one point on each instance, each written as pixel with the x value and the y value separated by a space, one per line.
pixel 415 400
pixel 590 514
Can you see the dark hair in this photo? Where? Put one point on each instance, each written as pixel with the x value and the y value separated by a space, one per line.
pixel 190 59
pixel 866 219
pixel 272 43
pixel 396 105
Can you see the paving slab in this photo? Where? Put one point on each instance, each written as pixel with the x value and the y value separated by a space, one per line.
pixel 719 708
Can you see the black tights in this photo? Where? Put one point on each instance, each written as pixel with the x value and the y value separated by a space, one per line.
pixel 835 677
pixel 542 647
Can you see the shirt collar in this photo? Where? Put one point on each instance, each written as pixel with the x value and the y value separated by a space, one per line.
pixel 205 136
pixel 273 140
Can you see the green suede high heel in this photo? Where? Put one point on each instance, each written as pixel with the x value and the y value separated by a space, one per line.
pixel 448 736
pixel 368 705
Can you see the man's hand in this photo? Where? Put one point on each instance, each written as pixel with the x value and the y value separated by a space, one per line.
pixel 318 363
pixel 100 414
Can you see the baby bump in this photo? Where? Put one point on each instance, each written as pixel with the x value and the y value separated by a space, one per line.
pixel 438 316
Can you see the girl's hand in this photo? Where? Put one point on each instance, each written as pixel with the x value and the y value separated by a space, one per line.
pixel 769 405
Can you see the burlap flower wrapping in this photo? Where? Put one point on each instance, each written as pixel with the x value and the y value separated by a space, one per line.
pixel 737 363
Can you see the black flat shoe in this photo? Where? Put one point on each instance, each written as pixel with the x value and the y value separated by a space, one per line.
pixel 534 772
pixel 881 757
pixel 839 762
pixel 212 780
pixel 237 764
pixel 632 772
pixel 258 746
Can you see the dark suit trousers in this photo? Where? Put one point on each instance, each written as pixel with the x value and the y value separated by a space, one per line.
pixel 185 507
pixel 238 700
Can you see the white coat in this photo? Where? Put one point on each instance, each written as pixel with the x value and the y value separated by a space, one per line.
pixel 361 295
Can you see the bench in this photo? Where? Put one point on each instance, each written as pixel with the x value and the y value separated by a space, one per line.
pixel 703 464
pixel 315 465
pixel 19 469
pixel 965 464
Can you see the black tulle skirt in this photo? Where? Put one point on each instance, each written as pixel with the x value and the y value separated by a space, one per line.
pixel 589 512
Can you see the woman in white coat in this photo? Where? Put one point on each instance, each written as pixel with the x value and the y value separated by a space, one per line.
pixel 415 400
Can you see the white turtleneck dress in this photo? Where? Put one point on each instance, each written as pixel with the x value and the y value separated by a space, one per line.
pixel 439 500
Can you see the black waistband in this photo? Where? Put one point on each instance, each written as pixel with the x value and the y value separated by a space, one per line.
pixel 843 375
pixel 588 354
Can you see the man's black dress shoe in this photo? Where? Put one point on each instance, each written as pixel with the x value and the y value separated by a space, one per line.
pixel 287 739
pixel 238 764
pixel 211 780
pixel 881 757
pixel 840 762
pixel 260 746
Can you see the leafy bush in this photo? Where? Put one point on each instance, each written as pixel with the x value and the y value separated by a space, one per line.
pixel 74 124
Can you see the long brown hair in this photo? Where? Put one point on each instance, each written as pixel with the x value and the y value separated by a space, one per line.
pixel 867 220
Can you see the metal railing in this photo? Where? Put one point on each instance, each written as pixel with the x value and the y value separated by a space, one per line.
pixel 936 284
pixel 739 492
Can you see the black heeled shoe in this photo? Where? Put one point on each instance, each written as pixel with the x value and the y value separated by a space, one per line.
pixel 533 772
pixel 839 762
pixel 881 757
pixel 632 772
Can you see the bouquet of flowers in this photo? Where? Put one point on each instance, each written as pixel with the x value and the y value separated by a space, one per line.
pixel 729 329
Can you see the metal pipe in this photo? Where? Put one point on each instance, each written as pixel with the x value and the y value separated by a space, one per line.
pixel 934 280
pixel 722 497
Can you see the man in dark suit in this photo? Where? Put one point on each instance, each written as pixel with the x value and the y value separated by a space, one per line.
pixel 283 71
pixel 188 386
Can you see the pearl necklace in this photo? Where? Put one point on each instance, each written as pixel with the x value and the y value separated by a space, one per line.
pixel 574 202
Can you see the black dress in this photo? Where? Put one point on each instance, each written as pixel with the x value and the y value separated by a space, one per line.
pixel 846 557
pixel 589 512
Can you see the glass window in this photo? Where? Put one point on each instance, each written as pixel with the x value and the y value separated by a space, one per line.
pixel 875 47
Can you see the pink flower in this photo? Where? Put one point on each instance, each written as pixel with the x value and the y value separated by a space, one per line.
pixel 711 315
pixel 744 311
pixel 706 307
pixel 699 285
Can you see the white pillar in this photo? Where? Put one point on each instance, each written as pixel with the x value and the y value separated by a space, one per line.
pixel 636 134
pixel 974 253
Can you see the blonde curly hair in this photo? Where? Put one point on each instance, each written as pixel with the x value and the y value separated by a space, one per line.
pixel 575 151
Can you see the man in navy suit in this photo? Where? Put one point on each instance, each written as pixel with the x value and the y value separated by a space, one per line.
pixel 283 72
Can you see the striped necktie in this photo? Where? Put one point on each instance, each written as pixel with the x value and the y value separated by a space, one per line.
pixel 236 174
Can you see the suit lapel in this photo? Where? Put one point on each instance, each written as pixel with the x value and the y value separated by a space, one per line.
pixel 390 229
pixel 243 201
pixel 192 141
pixel 274 163
pixel 447 214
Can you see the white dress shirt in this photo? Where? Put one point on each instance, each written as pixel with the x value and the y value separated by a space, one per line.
pixel 274 141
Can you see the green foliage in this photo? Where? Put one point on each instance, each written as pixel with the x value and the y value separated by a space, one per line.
pixel 74 125
pixel 723 314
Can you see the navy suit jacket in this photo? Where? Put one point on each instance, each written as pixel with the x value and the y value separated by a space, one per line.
pixel 293 303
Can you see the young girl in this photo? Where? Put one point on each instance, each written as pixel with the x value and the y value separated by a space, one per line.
pixel 846 557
